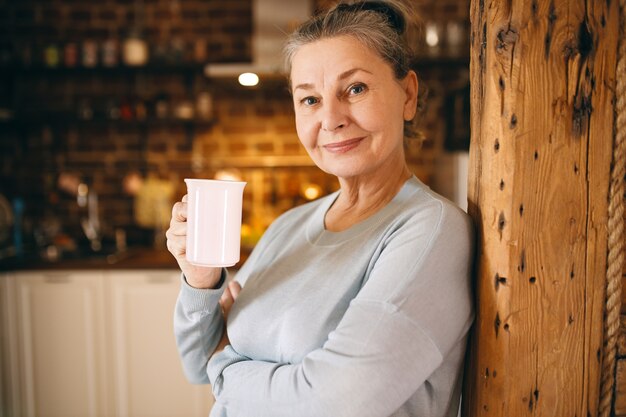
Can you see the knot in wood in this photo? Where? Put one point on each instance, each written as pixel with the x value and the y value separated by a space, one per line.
pixel 581 112
pixel 585 40
pixel 582 44
pixel 505 38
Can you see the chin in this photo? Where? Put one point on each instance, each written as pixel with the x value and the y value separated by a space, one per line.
pixel 343 170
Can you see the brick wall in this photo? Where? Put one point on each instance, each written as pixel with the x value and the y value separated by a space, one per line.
pixel 253 129
pixel 225 26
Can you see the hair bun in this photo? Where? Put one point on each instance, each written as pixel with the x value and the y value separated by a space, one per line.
pixel 392 14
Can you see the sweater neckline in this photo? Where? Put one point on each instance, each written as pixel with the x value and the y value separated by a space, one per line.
pixel 317 234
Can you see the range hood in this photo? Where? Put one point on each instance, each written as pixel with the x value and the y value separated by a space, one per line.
pixel 272 21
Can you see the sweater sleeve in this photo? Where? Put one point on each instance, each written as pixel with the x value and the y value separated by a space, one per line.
pixel 197 313
pixel 414 308
pixel 198 320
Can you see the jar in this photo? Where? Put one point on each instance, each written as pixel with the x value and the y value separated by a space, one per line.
pixel 51 56
pixel 90 54
pixel 162 106
pixel 110 53
pixel 70 54
pixel 199 51
pixel 204 105
pixel 184 110
pixel 135 52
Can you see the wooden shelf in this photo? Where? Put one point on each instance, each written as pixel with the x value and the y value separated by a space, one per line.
pixel 261 161
pixel 152 68
pixel 64 119
pixel 422 61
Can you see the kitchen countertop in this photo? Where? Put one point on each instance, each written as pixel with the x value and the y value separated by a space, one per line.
pixel 133 258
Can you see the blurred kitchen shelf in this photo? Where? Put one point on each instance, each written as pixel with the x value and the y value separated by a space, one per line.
pixel 65 120
pixel 268 161
pixel 226 74
pixel 421 61
pixel 21 116
pixel 152 68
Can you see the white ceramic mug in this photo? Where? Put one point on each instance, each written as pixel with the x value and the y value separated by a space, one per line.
pixel 213 221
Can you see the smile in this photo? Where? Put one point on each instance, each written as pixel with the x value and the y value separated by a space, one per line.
pixel 343 146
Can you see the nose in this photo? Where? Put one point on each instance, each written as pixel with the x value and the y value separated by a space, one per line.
pixel 334 115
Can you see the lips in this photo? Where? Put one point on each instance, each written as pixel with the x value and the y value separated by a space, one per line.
pixel 343 146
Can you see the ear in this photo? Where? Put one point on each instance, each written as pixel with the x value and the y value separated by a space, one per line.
pixel 410 88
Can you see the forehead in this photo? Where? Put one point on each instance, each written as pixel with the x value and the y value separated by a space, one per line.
pixel 333 56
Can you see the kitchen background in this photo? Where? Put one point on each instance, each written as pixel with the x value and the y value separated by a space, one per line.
pixel 105 107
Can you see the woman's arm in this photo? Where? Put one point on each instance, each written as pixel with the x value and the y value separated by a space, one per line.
pixel 198 327
pixel 414 309
pixel 359 372
pixel 197 311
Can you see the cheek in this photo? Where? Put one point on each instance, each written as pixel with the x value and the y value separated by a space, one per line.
pixel 386 117
pixel 370 117
pixel 306 132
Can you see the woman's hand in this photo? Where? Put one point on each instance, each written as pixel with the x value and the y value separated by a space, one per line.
pixel 196 276
pixel 226 302
pixel 231 292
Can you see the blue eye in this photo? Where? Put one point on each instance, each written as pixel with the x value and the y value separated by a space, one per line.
pixel 356 89
pixel 309 101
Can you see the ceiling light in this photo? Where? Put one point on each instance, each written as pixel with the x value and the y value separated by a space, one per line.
pixel 248 79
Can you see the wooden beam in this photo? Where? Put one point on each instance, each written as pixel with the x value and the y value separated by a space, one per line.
pixel 543 77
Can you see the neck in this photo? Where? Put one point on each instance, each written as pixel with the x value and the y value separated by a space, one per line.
pixel 365 195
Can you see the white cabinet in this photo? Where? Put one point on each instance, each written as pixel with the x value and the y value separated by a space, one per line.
pixel 9 383
pixel 147 374
pixel 61 344
pixel 87 343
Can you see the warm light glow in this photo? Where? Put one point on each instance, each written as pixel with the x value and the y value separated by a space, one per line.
pixel 228 175
pixel 248 79
pixel 246 231
pixel 81 197
pixel 83 189
pixel 311 191
pixel 432 35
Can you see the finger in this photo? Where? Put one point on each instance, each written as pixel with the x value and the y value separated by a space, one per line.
pixel 176 231
pixel 225 295
pixel 177 245
pixel 226 301
pixel 234 288
pixel 184 199
pixel 177 228
pixel 179 212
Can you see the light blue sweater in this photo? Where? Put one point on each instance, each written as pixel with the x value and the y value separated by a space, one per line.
pixel 370 321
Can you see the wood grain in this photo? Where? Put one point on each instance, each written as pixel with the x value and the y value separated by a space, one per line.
pixel 620 389
pixel 543 77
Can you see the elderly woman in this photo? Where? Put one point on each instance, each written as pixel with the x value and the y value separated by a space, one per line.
pixel 359 303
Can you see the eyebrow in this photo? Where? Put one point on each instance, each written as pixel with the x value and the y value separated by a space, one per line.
pixel 342 76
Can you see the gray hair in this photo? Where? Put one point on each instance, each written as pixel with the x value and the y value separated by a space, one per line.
pixel 379 25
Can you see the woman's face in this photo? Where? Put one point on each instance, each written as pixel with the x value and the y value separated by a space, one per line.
pixel 350 109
